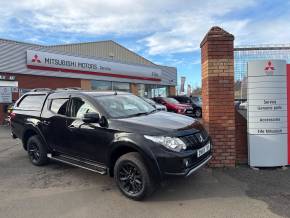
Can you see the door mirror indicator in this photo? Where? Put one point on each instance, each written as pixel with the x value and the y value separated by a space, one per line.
pixel 91 117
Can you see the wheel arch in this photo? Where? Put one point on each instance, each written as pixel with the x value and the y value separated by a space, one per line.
pixel 122 148
pixel 29 132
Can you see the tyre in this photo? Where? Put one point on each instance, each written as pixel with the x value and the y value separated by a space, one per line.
pixel 132 176
pixel 37 151
pixel 198 113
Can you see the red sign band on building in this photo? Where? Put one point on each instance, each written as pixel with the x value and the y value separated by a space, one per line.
pixel 72 64
pixel 92 73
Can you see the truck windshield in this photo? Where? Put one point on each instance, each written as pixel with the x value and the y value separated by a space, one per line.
pixel 149 101
pixel 121 106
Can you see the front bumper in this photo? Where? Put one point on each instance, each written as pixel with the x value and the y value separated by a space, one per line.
pixel 181 164
pixel 190 171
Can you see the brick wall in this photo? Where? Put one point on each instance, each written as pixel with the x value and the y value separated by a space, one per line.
pixel 172 90
pixel 241 139
pixel 31 81
pixel 86 84
pixel 218 94
pixel 2 114
pixel 134 88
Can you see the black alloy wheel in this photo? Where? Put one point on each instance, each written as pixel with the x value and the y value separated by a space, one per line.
pixel 133 177
pixel 34 152
pixel 130 178
pixel 37 151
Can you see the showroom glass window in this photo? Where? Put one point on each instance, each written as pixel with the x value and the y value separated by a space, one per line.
pixel 119 86
pixel 101 85
pixel 155 91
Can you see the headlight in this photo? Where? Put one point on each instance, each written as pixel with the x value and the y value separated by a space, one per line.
pixel 181 110
pixel 174 144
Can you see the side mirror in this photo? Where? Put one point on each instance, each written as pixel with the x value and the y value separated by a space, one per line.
pixel 91 118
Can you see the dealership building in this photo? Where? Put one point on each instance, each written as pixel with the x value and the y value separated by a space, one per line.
pixel 100 66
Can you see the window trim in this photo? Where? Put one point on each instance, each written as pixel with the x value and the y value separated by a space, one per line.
pixel 69 111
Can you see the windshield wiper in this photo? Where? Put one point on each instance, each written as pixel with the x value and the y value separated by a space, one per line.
pixel 142 113
pixel 150 112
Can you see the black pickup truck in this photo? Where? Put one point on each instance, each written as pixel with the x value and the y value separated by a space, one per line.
pixel 110 133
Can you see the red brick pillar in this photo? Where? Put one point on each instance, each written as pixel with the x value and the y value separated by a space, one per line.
pixel 217 54
pixel 172 90
pixel 134 88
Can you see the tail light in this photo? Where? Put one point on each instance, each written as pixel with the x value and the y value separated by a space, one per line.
pixel 12 116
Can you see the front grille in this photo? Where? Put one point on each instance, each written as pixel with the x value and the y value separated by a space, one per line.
pixel 196 140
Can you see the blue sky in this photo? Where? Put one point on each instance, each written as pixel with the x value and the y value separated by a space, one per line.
pixel 166 32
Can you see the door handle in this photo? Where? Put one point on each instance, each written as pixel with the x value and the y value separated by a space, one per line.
pixel 45 122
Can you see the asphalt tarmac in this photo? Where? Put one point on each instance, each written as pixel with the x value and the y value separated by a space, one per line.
pixel 59 190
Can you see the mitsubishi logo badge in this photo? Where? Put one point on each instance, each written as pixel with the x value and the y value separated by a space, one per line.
pixel 200 138
pixel 269 69
pixel 36 59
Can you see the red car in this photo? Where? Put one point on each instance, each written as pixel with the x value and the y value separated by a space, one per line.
pixel 173 105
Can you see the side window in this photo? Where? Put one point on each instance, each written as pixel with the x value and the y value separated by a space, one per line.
pixel 32 102
pixel 59 106
pixel 79 107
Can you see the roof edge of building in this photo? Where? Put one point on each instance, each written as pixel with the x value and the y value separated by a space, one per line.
pixel 21 42
pixel 50 47
pixel 79 43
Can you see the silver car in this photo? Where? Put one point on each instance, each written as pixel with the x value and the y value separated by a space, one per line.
pixel 157 106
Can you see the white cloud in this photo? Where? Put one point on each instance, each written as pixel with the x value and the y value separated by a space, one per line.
pixel 186 36
pixel 167 26
pixel 265 32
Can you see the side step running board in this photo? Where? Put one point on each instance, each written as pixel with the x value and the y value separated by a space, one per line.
pixel 97 168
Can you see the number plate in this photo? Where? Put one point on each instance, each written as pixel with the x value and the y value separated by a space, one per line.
pixel 203 150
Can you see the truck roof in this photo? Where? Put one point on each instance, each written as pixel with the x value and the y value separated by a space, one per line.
pixel 76 90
